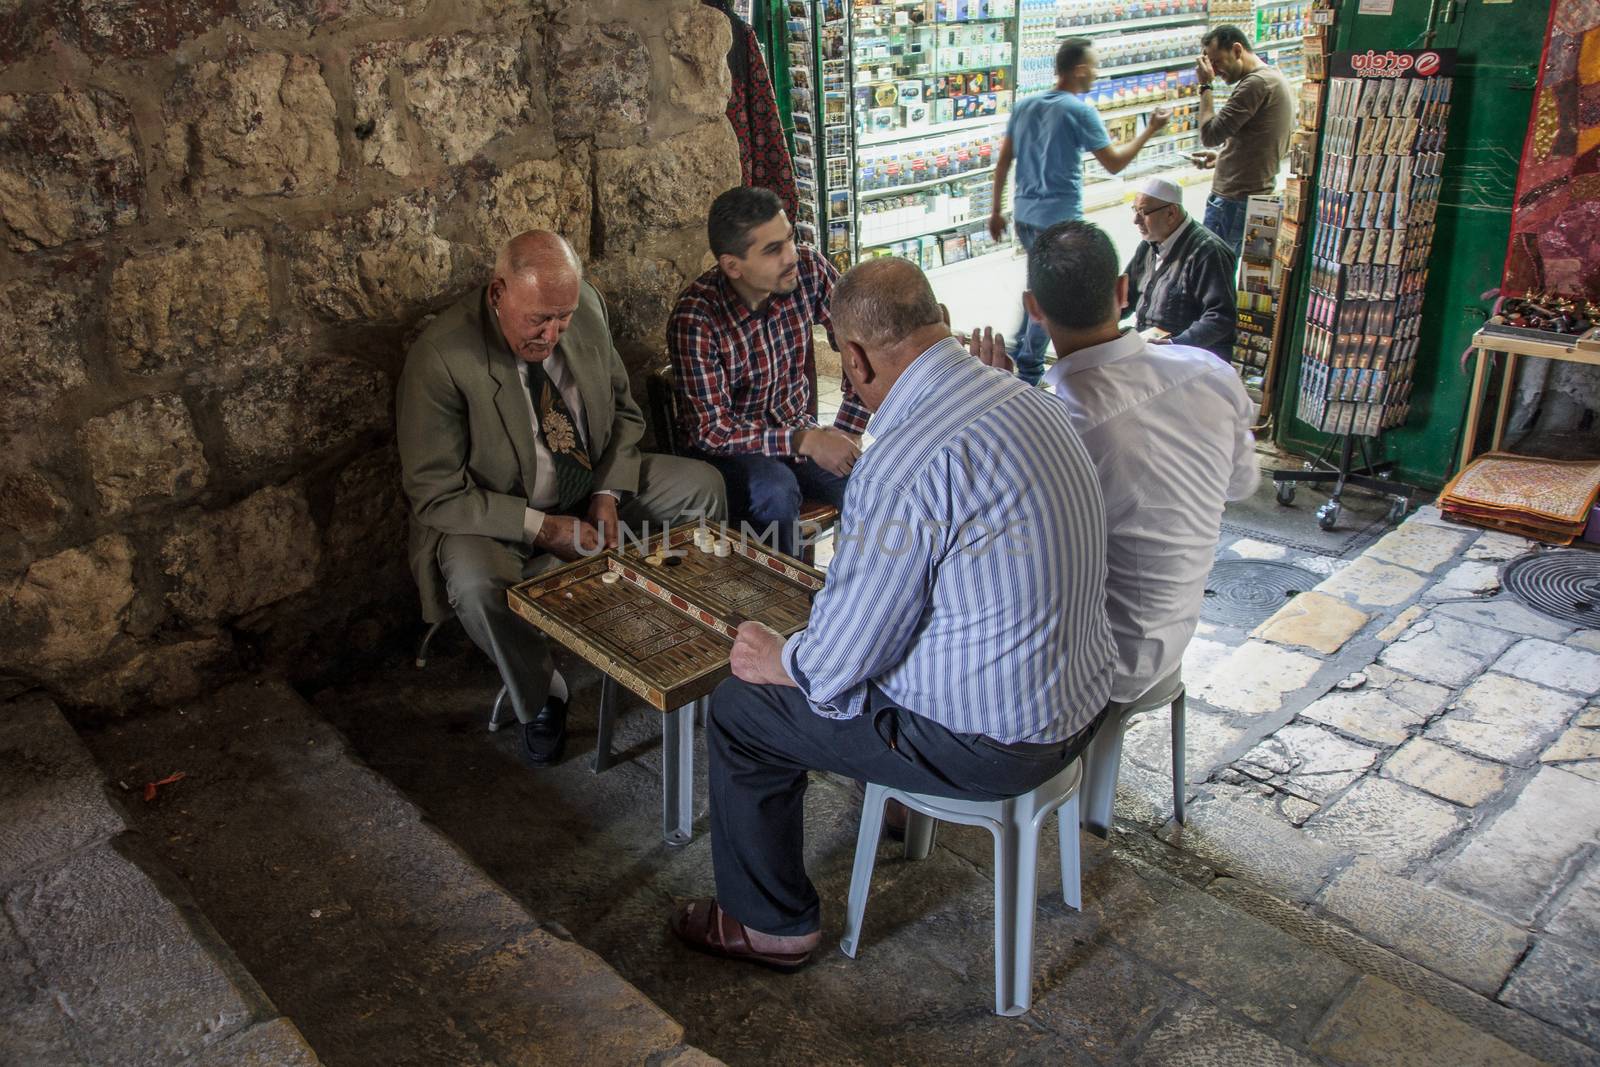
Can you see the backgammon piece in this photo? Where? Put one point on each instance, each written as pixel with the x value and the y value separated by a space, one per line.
pixel 724 548
pixel 610 577
pixel 655 559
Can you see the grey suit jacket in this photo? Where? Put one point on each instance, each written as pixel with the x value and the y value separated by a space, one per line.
pixel 465 438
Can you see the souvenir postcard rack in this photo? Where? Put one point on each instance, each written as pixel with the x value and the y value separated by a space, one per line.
pixel 1377 195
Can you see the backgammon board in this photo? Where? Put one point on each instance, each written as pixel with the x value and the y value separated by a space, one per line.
pixel 664 631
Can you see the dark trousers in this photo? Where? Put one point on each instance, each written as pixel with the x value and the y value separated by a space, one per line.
pixel 766 491
pixel 1225 218
pixel 762 739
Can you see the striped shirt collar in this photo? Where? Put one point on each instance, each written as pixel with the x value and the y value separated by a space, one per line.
pixel 919 378
pixel 1129 344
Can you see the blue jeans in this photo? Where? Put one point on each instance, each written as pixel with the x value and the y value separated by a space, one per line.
pixel 766 491
pixel 1029 340
pixel 1225 218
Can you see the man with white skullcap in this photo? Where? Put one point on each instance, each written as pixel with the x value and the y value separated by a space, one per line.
pixel 1181 280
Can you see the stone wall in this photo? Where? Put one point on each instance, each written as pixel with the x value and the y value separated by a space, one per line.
pixel 221 222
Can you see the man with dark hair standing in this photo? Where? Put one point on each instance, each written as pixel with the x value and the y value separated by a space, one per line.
pixel 1181 278
pixel 743 360
pixel 519 447
pixel 1046 138
pixel 960 647
pixel 1168 429
pixel 1253 129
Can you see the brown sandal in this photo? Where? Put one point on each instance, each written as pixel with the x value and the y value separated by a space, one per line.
pixel 705 927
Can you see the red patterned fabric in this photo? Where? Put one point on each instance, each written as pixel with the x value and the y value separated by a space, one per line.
pixel 753 113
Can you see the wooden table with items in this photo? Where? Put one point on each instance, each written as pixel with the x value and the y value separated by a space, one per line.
pixel 659 618
pixel 1485 342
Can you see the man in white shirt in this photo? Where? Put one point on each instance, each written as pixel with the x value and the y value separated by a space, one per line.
pixel 519 447
pixel 1168 429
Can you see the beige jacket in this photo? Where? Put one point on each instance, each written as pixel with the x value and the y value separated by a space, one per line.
pixel 465 439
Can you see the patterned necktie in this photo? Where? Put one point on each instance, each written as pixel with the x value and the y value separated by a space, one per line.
pixel 574 475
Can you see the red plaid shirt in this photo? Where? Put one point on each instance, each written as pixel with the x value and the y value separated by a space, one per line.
pixel 740 374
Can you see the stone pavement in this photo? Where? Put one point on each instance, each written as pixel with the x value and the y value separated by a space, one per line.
pixel 372 932
pixel 1373 871
pixel 103 957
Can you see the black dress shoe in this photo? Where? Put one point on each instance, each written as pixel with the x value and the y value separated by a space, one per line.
pixel 545 736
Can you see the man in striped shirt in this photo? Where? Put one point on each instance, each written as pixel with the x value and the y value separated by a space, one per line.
pixel 743 363
pixel 960 646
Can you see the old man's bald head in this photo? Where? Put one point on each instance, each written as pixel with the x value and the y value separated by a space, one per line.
pixel 884 315
pixel 535 292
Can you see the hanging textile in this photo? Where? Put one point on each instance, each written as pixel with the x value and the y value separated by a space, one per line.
pixel 753 113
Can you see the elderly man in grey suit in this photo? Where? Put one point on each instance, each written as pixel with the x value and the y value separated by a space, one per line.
pixel 519 448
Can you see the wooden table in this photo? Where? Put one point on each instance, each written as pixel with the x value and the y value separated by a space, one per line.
pixel 664 632
pixel 1485 343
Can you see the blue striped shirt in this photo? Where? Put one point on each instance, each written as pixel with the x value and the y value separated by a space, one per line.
pixel 968 581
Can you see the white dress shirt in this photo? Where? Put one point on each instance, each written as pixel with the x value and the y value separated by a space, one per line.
pixel 1168 429
pixel 544 494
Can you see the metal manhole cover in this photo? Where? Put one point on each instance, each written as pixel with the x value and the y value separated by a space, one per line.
pixel 1244 592
pixel 1563 584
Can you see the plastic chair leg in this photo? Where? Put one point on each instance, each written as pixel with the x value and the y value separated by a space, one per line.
pixel 1180 782
pixel 919 835
pixel 1071 861
pixel 861 872
pixel 1016 851
pixel 1100 767
pixel 495 719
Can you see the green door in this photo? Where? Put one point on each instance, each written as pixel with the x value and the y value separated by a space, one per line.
pixel 1499 45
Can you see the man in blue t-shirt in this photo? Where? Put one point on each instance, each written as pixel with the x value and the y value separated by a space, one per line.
pixel 1046 138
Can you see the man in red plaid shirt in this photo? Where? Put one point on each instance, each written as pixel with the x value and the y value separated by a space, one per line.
pixel 740 339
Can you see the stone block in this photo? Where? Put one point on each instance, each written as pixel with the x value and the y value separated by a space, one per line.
pixel 539 194
pixel 68 167
pixel 51 799
pixel 1588 640
pixel 1495 547
pixel 144 449
pixel 163 672
pixel 69 608
pixel 640 294
pixel 1418 546
pixel 1313 620
pixel 191 300
pixel 644 190
pixel 1327 566
pixel 460 92
pixel 1255 677
pixel 1373 583
pixel 604 88
pixel 1307 762
pixel 1250 548
pixel 1578 916
pixel 697 48
pixel 1242 841
pixel 133 977
pixel 1553 665
pixel 1505 614
pixel 1200 657
pixel 1471 578
pixel 1383 709
pixel 1578 751
pixel 386 263
pixel 41 359
pixel 1378 1023
pixel 30 506
pixel 1560 985
pixel 1199 1035
pixel 278 1043
pixel 1428 926
pixel 1391 825
pixel 225 563
pixel 1516 862
pixel 1401 623
pixel 1445 773
pixel 1504 719
pixel 283 406
pixel 368 509
pixel 34 1030
pixel 256 124
pixel 1444 650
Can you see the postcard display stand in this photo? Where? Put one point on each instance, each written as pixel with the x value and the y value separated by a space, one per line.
pixel 1377 194
pixel 824 158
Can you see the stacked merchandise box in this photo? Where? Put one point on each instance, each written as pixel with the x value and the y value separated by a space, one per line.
pixel 1260 290
pixel 932 84
pixel 1377 195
